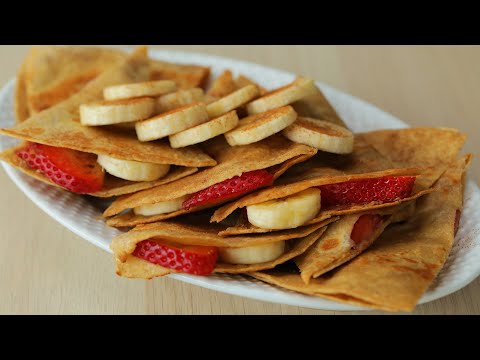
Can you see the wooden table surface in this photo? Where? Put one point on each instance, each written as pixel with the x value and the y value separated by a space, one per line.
pixel 45 269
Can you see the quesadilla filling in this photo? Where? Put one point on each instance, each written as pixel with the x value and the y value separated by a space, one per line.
pixel 220 192
pixel 298 209
pixel 365 226
pixel 83 173
pixel 384 189
pixel 201 260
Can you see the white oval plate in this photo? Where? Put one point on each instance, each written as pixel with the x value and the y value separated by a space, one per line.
pixel 78 213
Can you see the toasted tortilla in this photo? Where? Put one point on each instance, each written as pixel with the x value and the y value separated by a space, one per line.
pixel 22 111
pixel 408 147
pixel 395 272
pixel 318 107
pixel 417 146
pixel 275 153
pixel 242 81
pixel 136 268
pixel 59 126
pixel 54 73
pixel 364 163
pixel 51 74
pixel 186 76
pixel 223 85
pixel 335 246
pixel 112 186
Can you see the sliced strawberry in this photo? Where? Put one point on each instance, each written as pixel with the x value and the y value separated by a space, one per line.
pixel 198 260
pixel 230 188
pixel 365 226
pixel 385 189
pixel 458 213
pixel 73 170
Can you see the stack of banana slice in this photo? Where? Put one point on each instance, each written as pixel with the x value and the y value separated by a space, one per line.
pixel 157 110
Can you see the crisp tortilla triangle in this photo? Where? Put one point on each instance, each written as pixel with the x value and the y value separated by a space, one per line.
pixel 54 73
pixel 275 152
pixel 112 186
pixel 186 76
pixel 335 247
pixel 395 272
pixel 242 81
pixel 417 146
pixel 223 85
pixel 195 230
pixel 408 147
pixel 51 74
pixel 22 111
pixel 137 268
pixel 317 106
pixel 59 125
pixel 364 163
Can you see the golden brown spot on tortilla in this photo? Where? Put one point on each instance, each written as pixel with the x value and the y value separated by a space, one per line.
pixel 329 244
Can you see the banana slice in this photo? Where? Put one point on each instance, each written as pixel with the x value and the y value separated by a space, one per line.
pixel 204 131
pixel 132 170
pixel 178 99
pixel 258 127
pixel 286 213
pixel 232 101
pixel 164 207
pixel 252 254
pixel 320 134
pixel 288 94
pixel 129 91
pixel 171 122
pixel 116 112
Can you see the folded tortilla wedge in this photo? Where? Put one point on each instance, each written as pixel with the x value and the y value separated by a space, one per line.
pixel 335 247
pixel 195 230
pixel 318 107
pixel 51 74
pixel 274 154
pixel 406 147
pixel 364 163
pixel 22 111
pixel 395 272
pixel 59 126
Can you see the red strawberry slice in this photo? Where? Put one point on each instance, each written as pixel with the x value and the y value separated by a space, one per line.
pixel 73 170
pixel 198 260
pixel 230 188
pixel 385 189
pixel 365 226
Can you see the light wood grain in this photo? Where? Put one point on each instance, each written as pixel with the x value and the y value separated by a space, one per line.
pixel 45 269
